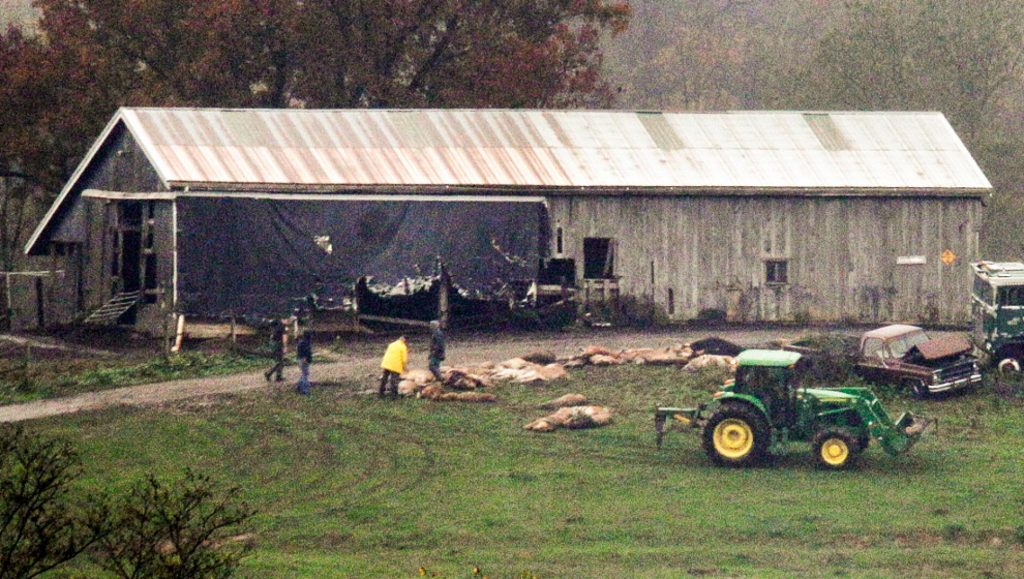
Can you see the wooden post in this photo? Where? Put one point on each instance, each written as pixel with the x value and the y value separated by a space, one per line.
pixel 165 316
pixel 40 304
pixel 443 308
pixel 8 307
pixel 234 336
pixel 180 337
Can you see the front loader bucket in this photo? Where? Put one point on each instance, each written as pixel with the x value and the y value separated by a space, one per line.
pixel 901 436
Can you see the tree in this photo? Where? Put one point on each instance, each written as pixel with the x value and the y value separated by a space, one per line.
pixel 60 86
pixel 176 530
pixel 39 527
pixel 964 59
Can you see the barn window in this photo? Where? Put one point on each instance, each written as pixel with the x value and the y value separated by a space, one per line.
pixel 776 271
pixel 558 241
pixel 671 302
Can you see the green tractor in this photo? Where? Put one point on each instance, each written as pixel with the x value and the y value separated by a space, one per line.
pixel 764 409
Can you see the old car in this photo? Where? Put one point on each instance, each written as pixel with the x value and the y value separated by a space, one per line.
pixel 905 355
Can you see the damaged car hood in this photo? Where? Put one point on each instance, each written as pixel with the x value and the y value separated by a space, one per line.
pixel 943 347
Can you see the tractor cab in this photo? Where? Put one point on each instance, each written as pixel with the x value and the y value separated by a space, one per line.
pixel 771 377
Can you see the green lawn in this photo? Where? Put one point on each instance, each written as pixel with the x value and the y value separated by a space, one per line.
pixel 354 486
pixel 22 381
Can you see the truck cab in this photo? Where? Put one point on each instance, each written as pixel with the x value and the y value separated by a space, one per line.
pixel 998 309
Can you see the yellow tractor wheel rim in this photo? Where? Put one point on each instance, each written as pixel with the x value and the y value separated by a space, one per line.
pixel 733 438
pixel 835 451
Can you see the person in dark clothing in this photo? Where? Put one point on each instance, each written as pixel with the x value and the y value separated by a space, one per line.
pixel 436 350
pixel 278 344
pixel 304 354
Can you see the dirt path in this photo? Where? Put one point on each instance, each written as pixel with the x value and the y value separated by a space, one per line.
pixel 358 361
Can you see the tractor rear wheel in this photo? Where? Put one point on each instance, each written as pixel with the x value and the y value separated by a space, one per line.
pixel 835 449
pixel 736 435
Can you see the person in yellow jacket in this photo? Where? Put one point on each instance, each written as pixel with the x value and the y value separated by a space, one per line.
pixel 393 364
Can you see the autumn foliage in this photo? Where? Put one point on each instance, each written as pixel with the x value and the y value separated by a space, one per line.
pixel 62 83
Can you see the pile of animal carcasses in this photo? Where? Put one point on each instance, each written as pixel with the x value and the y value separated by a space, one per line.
pixel 539 367
pixel 681 355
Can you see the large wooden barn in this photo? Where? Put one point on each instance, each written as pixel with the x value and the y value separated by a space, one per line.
pixel 818 216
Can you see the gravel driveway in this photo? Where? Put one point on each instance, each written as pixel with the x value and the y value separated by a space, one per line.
pixel 357 359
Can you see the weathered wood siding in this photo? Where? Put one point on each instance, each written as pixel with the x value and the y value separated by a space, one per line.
pixel 119 166
pixel 841 254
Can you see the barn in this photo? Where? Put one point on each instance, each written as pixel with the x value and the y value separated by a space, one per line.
pixel 750 216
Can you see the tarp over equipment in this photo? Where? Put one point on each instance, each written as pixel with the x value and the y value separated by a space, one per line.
pixel 259 257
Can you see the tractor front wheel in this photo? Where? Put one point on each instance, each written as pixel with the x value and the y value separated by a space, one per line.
pixel 835 449
pixel 736 435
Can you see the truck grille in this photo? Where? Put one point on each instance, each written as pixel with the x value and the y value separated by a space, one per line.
pixel 957 372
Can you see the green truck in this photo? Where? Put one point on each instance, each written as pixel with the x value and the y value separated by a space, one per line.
pixel 764 409
pixel 998 307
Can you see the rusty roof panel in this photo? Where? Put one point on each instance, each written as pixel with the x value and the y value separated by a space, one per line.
pixel 540 149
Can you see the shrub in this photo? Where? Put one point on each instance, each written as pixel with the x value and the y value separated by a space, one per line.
pixel 39 528
pixel 177 530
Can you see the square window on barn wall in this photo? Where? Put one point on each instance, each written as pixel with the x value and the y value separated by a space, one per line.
pixel 776 271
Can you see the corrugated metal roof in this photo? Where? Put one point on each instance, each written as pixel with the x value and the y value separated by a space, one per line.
pixel 545 152
pixel 556 149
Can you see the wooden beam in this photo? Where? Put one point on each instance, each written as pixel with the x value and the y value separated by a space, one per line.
pixel 128 195
pixel 396 321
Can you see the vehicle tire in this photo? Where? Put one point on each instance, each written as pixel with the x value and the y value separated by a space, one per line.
pixel 918 389
pixel 737 434
pixel 1009 366
pixel 835 449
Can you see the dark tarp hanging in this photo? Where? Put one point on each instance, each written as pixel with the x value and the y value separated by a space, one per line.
pixel 250 257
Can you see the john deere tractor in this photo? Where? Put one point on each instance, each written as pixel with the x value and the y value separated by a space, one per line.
pixel 764 409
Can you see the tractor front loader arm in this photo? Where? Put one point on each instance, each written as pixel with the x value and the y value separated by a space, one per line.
pixel 689 416
pixel 895 437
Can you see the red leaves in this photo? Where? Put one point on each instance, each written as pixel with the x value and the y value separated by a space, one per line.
pixel 95 55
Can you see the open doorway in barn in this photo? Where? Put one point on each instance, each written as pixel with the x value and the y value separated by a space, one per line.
pixel 598 258
pixel 128 254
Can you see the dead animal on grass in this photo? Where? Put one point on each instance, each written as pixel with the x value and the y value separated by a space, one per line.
pixel 419 376
pixel 604 360
pixel 597 351
pixel 436 393
pixel 409 387
pixel 514 363
pixel 711 361
pixel 540 357
pixel 457 380
pixel 572 417
pixel 552 372
pixel 563 401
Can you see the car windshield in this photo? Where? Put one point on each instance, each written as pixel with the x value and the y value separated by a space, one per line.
pixel 983 291
pixel 1011 296
pixel 900 346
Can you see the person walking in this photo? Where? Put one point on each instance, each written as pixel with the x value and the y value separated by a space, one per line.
pixel 278 345
pixel 304 355
pixel 393 365
pixel 436 350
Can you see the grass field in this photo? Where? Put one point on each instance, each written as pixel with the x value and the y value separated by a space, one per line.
pixel 351 486
pixel 22 381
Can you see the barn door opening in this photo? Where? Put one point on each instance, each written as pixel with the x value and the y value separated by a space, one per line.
pixel 598 258
pixel 127 255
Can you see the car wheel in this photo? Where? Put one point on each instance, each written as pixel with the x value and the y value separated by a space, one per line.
pixel 1009 366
